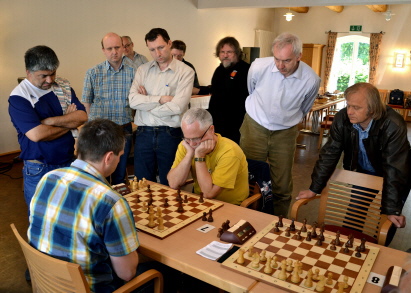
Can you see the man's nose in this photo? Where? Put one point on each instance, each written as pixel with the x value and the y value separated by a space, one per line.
pixel 49 79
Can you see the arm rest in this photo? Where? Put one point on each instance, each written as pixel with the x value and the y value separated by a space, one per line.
pixel 250 200
pixel 296 206
pixel 382 236
pixel 142 279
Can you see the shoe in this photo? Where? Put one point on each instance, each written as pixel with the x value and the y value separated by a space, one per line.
pixel 27 275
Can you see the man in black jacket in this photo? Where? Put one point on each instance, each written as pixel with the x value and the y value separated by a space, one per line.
pixel 374 140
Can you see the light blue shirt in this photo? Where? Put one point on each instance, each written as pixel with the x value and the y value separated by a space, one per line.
pixel 363 160
pixel 277 102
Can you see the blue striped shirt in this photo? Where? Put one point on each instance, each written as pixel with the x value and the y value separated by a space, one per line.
pixel 107 92
pixel 77 217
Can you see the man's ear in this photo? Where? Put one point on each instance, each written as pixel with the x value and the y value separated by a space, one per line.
pixel 107 158
pixel 212 128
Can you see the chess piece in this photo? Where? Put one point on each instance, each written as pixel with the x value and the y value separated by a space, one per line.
pixel 145 182
pixel 220 231
pixel 159 213
pixel 227 225
pixel 204 218
pixel 332 246
pixel 282 275
pixel 144 208
pixel 276 229
pixel 262 255
pixel 180 208
pixel 350 241
pixel 346 250
pixel 362 246
pixel 358 253
pixel 134 185
pixel 314 232
pixel 289 265
pixel 179 198
pixel 337 239
pixel 287 232
pixel 340 287
pixel 166 205
pixel 137 198
pixel 319 242
pixel 298 237
pixel 300 267
pixel 151 222
pixel 295 278
pixel 308 236
pixel 250 251
pixel 256 261
pixel 292 225
pixel 280 221
pixel 320 285
pixel 185 198
pixel 322 228
pixel 316 275
pixel 308 281
pixel 345 282
pixel 304 227
pixel 274 263
pixel 148 185
pixel 210 216
pixel 321 236
pixel 240 259
pixel 268 269
pixel 329 280
pixel 201 199
pixel 160 224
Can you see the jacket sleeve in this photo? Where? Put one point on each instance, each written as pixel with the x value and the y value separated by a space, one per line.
pixel 329 155
pixel 396 168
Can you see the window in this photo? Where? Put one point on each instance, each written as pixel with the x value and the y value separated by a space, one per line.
pixel 351 63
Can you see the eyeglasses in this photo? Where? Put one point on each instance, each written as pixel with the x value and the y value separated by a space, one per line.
pixel 227 52
pixel 196 139
pixel 127 45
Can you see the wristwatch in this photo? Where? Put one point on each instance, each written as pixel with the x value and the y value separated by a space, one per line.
pixel 199 159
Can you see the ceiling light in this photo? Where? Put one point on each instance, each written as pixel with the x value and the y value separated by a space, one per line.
pixel 289 15
pixel 388 14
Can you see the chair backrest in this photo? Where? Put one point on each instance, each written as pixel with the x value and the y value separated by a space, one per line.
pixel 353 200
pixel 259 180
pixel 49 274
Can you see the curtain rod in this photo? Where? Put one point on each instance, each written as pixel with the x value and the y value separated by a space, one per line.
pixel 381 32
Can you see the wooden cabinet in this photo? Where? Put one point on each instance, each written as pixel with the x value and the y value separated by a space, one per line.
pixel 313 56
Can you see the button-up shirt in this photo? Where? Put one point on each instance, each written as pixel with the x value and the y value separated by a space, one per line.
pixel 363 160
pixel 137 60
pixel 277 102
pixel 107 92
pixel 176 80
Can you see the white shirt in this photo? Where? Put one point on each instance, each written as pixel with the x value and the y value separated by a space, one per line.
pixel 277 102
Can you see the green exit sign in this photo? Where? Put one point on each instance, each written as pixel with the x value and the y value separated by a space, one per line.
pixel 355 28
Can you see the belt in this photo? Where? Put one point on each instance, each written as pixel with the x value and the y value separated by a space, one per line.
pixel 35 161
pixel 157 127
pixel 125 125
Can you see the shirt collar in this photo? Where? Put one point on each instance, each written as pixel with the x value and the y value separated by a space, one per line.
pixel 109 67
pixel 88 168
pixel 172 66
pixel 359 128
pixel 296 74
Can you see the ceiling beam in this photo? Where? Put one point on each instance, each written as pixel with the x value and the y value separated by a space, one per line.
pixel 208 4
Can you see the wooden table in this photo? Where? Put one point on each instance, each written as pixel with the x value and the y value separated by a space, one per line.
pixel 315 111
pixel 179 251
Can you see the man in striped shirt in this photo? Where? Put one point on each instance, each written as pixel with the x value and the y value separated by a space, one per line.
pixel 76 216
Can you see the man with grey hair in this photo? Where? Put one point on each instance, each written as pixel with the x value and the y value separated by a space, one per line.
pixel 281 94
pixel 135 58
pixel 44 109
pixel 217 164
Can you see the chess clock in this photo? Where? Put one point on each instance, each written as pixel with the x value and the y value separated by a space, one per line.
pixel 121 188
pixel 239 233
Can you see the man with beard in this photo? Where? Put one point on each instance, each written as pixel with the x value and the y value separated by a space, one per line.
pixel 229 89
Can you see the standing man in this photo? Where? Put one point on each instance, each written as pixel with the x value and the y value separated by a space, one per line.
pixel 218 164
pixel 44 109
pixel 131 55
pixel 229 89
pixel 105 94
pixel 373 138
pixel 281 94
pixel 160 94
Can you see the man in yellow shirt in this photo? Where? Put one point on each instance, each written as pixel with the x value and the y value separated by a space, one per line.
pixel 218 164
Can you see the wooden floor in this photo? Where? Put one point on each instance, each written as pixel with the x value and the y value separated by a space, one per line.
pixel 13 210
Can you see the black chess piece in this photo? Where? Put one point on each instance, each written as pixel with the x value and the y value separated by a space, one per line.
pixel 362 246
pixel 204 218
pixel 308 236
pixel 185 198
pixel 304 227
pixel 319 242
pixel 287 232
pixel 280 221
pixel 292 225
pixel 210 216
pixel 358 253
pixel 201 199
pixel 332 246
pixel 166 205
pixel 276 229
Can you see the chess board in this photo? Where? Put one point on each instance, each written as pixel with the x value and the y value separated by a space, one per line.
pixel 172 219
pixel 313 257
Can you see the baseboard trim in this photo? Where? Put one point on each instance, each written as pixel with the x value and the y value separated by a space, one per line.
pixel 10 153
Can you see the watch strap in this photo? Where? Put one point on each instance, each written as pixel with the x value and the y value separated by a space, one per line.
pixel 199 159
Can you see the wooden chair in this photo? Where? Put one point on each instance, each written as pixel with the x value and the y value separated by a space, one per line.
pixel 335 210
pixel 326 125
pixel 49 274
pixel 252 201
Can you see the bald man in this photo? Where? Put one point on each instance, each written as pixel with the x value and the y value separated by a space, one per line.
pixel 105 94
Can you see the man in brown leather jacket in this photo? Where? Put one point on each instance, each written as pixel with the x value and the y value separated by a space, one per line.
pixel 374 140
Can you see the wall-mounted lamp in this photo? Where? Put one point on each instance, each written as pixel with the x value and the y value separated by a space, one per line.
pixel 399 60
pixel 388 14
pixel 289 15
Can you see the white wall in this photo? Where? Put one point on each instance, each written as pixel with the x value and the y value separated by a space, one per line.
pixel 74 29
pixel 311 28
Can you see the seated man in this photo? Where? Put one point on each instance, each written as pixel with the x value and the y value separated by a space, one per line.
pixel 218 165
pixel 76 216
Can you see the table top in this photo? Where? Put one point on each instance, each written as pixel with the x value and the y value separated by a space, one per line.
pixel 179 251
pixel 318 106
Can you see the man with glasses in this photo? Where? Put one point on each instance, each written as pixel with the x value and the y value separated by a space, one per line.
pixel 218 165
pixel 282 91
pixel 160 94
pixel 229 89
pixel 135 58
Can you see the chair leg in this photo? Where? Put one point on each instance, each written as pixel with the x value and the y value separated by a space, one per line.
pixel 320 139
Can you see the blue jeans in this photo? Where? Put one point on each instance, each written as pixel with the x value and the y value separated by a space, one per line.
pixel 155 149
pixel 32 173
pixel 120 173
